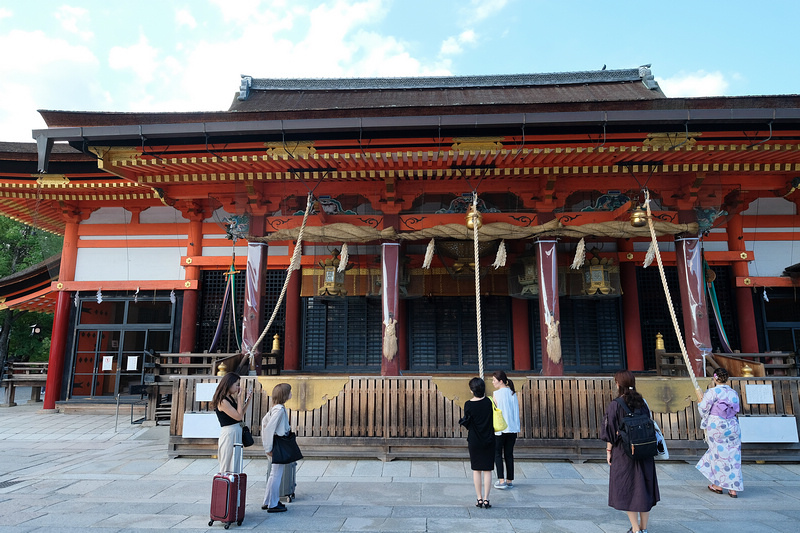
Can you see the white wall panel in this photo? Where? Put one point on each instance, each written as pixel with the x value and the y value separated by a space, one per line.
pixel 120 264
pixel 109 215
pixel 772 257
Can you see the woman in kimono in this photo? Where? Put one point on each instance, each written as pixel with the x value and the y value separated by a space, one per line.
pixel 632 484
pixel 722 463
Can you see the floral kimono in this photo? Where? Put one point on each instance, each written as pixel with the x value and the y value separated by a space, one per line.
pixel 722 463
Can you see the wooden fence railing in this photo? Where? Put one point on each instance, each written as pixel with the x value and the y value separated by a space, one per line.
pixel 391 417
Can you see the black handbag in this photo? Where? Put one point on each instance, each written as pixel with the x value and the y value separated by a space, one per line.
pixel 285 449
pixel 247 437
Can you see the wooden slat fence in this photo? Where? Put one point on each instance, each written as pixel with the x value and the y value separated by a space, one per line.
pixel 389 417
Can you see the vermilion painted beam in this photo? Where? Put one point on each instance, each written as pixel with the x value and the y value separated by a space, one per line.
pixel 764 281
pixel 145 285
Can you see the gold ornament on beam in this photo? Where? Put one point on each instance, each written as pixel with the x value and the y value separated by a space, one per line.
pixel 638 217
pixel 474 218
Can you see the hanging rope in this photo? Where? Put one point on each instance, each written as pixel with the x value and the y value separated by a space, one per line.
pixel 293 265
pixel 476 246
pixel 654 246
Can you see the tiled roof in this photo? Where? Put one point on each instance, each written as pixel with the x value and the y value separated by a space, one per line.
pixel 444 82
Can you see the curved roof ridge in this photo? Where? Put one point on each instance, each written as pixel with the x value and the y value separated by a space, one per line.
pixel 447 82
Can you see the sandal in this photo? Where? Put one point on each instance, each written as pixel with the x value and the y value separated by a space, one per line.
pixel 732 494
pixel 479 504
pixel 716 491
pixel 486 504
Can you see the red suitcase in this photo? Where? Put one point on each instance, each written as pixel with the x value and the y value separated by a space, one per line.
pixel 228 495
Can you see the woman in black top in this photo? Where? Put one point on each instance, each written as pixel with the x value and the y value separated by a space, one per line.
pixel 226 403
pixel 480 440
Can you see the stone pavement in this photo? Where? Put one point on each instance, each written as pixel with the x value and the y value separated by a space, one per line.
pixel 61 473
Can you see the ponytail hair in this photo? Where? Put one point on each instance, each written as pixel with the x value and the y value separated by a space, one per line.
pixel 626 388
pixel 499 375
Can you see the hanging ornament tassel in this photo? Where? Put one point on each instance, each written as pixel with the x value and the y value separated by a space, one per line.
pixel 766 298
pixel 77 298
pixel 500 260
pixel 553 341
pixel 580 254
pixel 390 339
pixel 100 295
pixel 429 254
pixel 344 257
pixel 651 254
pixel 172 297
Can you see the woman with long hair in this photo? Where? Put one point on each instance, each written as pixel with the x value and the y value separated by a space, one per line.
pixel 722 463
pixel 275 422
pixel 505 398
pixel 480 440
pixel 229 403
pixel 632 484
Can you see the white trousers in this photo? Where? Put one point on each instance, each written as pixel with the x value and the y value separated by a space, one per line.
pixel 228 436
pixel 273 494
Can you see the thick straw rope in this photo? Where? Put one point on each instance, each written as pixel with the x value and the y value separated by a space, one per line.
pixel 293 265
pixel 654 246
pixel 476 246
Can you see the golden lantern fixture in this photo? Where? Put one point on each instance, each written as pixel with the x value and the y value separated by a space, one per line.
pixel 597 275
pixel 474 218
pixel 333 279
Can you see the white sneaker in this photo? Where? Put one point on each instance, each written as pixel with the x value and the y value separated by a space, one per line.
pixel 500 485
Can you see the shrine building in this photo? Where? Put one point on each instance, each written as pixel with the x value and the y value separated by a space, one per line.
pixel 179 227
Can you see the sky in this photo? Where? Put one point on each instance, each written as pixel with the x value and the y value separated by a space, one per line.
pixel 188 55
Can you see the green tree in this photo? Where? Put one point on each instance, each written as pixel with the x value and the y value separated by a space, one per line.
pixel 22 246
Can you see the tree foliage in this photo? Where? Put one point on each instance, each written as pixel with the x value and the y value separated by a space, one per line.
pixel 22 246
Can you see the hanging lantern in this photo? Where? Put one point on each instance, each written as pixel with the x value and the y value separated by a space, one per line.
pixel 333 277
pixel 529 279
pixel 597 277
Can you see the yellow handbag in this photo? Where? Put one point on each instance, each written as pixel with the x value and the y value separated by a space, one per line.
pixel 497 417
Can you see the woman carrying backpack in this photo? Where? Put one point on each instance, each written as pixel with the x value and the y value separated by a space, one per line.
pixel 632 484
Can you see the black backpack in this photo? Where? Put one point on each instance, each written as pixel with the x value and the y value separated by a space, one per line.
pixel 638 433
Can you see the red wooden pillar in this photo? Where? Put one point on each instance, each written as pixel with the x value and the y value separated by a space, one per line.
pixel 58 339
pixel 194 248
pixel 630 309
pixel 744 299
pixel 693 301
pixel 521 332
pixel 548 304
pixel 390 296
pixel 292 329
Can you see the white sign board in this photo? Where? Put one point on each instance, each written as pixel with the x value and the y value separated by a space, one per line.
pixel 768 428
pixel 200 426
pixel 204 392
pixel 759 394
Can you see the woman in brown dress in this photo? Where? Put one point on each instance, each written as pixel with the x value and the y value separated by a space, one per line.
pixel 632 484
pixel 480 440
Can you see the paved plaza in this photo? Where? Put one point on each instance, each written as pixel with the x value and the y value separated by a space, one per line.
pixel 69 472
